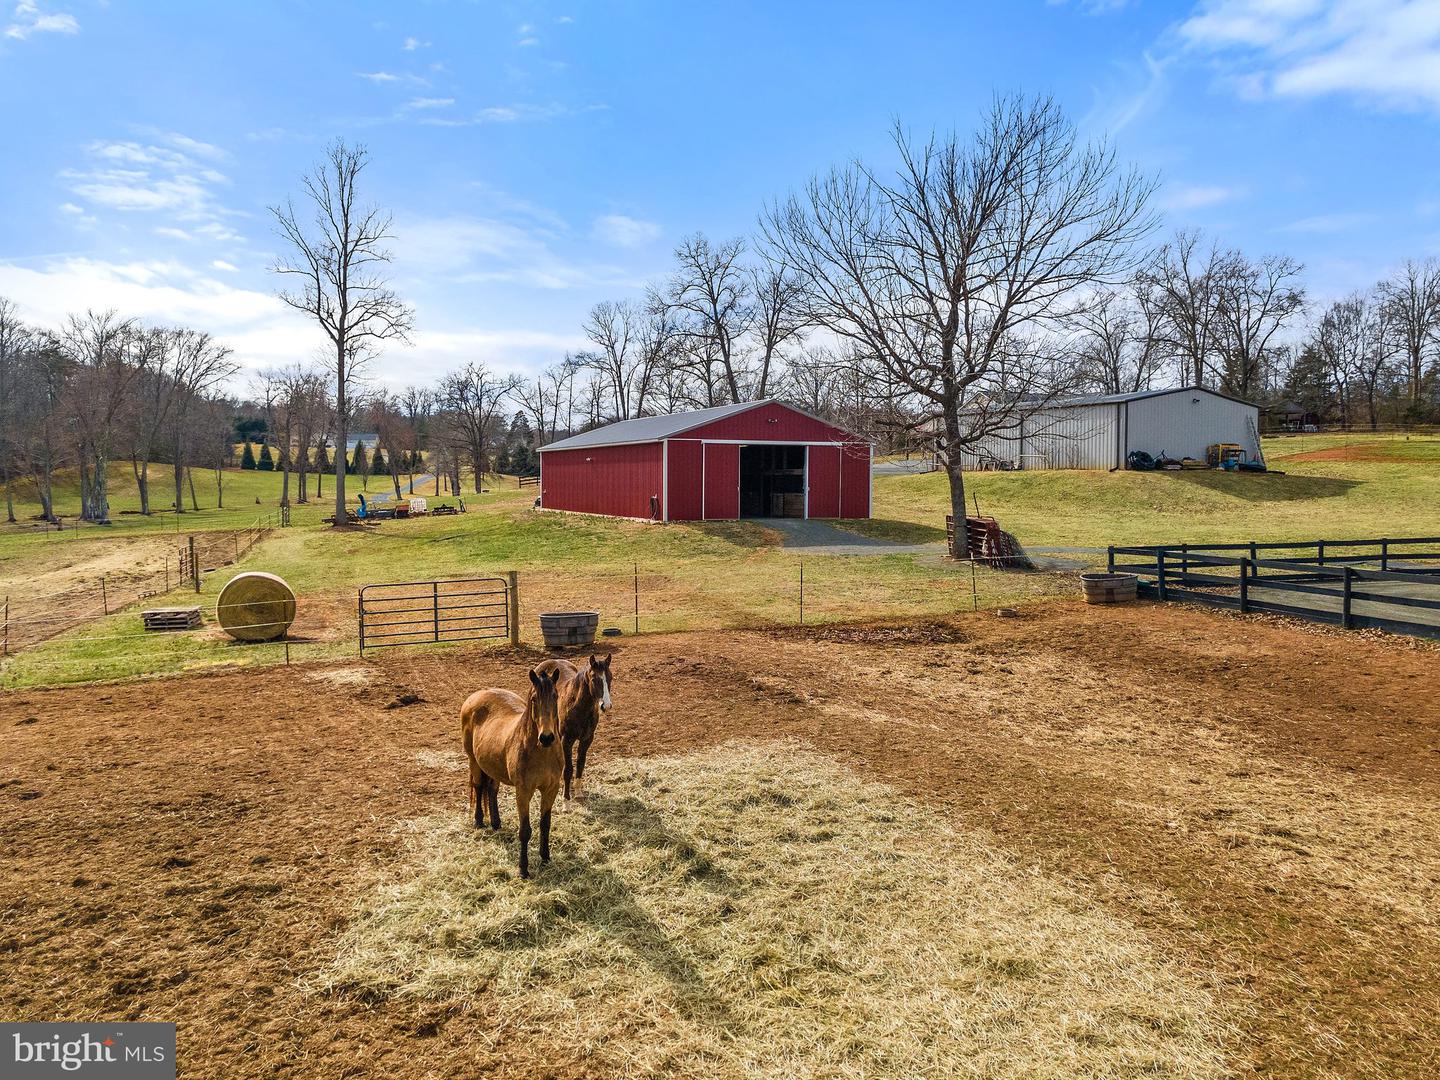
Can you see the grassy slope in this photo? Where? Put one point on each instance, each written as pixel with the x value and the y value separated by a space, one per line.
pixel 691 575
pixel 1396 496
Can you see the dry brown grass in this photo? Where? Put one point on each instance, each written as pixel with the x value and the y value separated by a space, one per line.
pixel 757 910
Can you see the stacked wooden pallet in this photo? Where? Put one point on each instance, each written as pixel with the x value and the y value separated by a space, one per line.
pixel 172 618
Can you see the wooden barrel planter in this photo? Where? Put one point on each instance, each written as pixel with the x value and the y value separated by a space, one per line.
pixel 255 606
pixel 562 628
pixel 1108 588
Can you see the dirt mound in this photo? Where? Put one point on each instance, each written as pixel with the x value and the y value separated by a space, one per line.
pixel 934 632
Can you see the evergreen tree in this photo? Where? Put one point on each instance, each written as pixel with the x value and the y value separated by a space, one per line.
pixel 267 463
pixel 322 459
pixel 358 460
pixel 247 459
pixel 377 463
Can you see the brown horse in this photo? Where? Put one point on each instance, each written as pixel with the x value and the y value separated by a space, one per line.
pixel 583 697
pixel 515 742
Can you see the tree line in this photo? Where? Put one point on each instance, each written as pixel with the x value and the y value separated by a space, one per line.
pixel 104 389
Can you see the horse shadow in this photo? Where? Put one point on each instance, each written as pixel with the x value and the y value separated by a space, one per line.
pixel 578 890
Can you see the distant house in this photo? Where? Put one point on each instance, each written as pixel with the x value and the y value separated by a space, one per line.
pixel 754 459
pixel 1100 432
pixel 1290 416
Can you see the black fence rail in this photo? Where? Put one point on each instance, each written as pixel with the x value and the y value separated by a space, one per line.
pixel 428 612
pixel 1385 584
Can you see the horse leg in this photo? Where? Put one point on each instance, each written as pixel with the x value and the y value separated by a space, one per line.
pixel 584 750
pixel 547 800
pixel 522 805
pixel 494 792
pixel 477 794
pixel 569 764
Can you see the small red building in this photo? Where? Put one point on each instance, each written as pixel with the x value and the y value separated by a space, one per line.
pixel 755 459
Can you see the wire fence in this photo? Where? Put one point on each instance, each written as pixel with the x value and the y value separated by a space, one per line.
pixel 27 620
pixel 703 596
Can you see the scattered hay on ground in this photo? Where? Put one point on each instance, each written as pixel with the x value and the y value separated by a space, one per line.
pixel 350 676
pixel 756 910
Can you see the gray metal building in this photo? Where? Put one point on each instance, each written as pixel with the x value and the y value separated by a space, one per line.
pixel 1100 432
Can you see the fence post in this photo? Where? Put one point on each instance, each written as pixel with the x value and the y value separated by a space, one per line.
pixel 1160 573
pixel 1346 619
pixel 5 641
pixel 1184 561
pixel 513 577
pixel 1244 585
pixel 360 615
pixel 1384 554
pixel 1110 559
pixel 104 599
pixel 194 565
pixel 1320 552
pixel 637 597
pixel 237 547
pixel 435 609
pixel 802 592
pixel 1254 570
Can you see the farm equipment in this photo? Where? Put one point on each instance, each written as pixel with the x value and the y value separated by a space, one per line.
pixel 1224 455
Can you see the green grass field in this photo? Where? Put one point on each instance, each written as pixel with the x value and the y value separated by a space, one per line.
pixel 728 574
pixel 1390 487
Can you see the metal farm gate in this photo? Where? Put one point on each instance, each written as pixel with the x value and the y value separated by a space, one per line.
pixel 426 612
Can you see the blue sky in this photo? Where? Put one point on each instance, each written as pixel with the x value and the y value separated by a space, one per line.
pixel 539 157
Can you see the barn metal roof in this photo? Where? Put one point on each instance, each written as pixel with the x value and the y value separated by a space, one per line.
pixel 1115 399
pixel 654 428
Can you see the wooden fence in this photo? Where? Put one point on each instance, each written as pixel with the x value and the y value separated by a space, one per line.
pixel 1385 584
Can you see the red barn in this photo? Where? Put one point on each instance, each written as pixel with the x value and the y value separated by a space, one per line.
pixel 755 459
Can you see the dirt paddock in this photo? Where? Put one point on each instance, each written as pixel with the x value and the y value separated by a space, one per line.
pixel 1259 801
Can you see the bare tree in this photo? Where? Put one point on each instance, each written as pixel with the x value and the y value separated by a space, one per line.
pixel 472 403
pixel 1117 345
pixel 1349 341
pixel 953 274
pixel 107 355
pixel 1410 309
pixel 710 291
pixel 337 264
pixel 17 344
pixel 200 363
pixel 417 403
pixel 1181 284
pixel 779 317
pixel 1256 300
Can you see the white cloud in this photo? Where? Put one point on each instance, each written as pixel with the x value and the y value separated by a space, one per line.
pixel 626 232
pixel 1384 51
pixel 430 103
pixel 1198 196
pixel 30 19
pixel 528 42
pixel 385 78
pixel 158 291
pixel 1329 223
pixel 129 177
pixel 469 250
pixel 410 44
pixel 221 264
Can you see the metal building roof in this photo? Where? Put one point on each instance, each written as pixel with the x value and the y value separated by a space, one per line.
pixel 1115 399
pixel 653 428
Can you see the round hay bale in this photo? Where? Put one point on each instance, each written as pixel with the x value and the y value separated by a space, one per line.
pixel 255 606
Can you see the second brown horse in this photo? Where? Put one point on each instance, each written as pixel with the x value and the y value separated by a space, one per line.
pixel 513 741
pixel 584 695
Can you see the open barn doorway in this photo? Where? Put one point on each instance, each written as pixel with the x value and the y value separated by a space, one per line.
pixel 772 481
